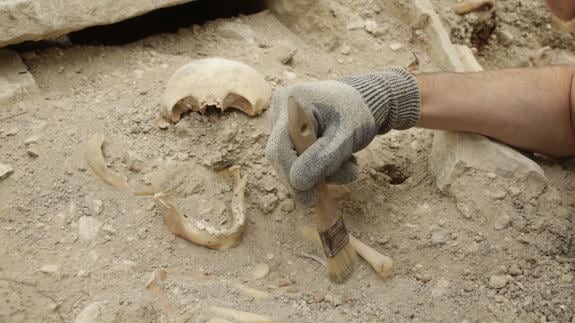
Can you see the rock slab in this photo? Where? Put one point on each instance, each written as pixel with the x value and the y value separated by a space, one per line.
pixel 14 76
pixel 23 20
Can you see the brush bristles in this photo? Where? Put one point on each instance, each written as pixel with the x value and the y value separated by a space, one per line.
pixel 342 265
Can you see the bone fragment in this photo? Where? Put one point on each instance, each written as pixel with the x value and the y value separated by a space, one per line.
pixel 538 58
pixel 468 6
pixel 95 159
pixel 154 284
pixel 252 292
pixel 240 316
pixel 200 233
pixel 382 264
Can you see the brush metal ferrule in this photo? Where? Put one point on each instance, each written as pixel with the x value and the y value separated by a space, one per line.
pixel 335 238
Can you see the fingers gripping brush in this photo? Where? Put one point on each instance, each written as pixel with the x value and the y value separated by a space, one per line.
pixel 331 228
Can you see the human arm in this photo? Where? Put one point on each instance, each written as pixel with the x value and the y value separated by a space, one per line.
pixel 563 9
pixel 531 109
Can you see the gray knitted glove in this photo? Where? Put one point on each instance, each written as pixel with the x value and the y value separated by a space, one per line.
pixel 348 114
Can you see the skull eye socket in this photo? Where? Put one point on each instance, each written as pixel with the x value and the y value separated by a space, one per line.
pixel 233 100
pixel 182 106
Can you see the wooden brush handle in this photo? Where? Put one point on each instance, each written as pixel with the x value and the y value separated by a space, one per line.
pixel 302 133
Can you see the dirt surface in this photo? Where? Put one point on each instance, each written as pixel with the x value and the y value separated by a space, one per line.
pixel 67 240
pixel 511 34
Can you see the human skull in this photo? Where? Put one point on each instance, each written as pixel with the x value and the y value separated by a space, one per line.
pixel 218 82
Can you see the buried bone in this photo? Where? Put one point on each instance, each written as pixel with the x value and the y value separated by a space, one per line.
pixel 200 232
pixel 382 264
pixel 154 285
pixel 95 159
pixel 215 82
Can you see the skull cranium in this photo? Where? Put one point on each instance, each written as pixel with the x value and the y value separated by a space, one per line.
pixel 218 82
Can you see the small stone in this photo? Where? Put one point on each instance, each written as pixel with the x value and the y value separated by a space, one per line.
pixel 498 194
pixel 12 132
pixel 567 278
pixel 290 75
pixel 97 206
pixel 505 37
pixel 468 286
pixel 133 163
pixel 500 299
pixel 356 24
pixel 32 153
pixel 288 205
pixel 88 228
pixel 514 191
pixel 49 269
pixel 465 210
pixel 501 221
pixel 334 300
pixel 5 170
pixel 497 282
pixel 284 52
pixel 268 203
pixel 260 271
pixel 438 239
pixel 370 26
pixel 31 140
pixel 319 296
pixel 142 233
pixel 515 270
pixel 491 175
pixel 345 50
pixel 395 46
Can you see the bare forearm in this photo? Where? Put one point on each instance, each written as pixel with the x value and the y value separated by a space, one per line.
pixel 525 108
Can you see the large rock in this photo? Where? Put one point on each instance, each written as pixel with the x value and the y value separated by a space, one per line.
pixel 14 76
pixel 22 20
pixel 455 154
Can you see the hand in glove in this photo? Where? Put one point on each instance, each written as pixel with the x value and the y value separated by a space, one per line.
pixel 348 113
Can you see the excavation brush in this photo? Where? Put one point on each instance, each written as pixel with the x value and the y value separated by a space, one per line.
pixel 330 225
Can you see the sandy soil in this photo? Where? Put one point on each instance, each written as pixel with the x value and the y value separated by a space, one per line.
pixel 513 265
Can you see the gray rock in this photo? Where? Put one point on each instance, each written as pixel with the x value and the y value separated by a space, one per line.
pixel 334 300
pixel 515 270
pixel 288 205
pixel 15 79
pixel 97 312
pixel 497 282
pixel 5 170
pixel 22 20
pixel 88 228
pixel 284 52
pixel 505 37
pixel 268 203
pixel 453 154
pixel 501 222
pixel 438 239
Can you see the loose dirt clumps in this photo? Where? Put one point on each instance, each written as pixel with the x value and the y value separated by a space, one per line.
pixel 493 252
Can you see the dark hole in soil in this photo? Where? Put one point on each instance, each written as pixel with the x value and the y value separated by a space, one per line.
pixel 166 20
pixel 395 173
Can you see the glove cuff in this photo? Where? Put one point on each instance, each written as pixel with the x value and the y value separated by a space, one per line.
pixel 392 96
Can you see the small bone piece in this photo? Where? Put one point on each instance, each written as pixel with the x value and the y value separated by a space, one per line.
pixel 240 316
pixel 382 264
pixel 538 58
pixel 202 234
pixel 218 82
pixel 252 292
pixel 260 271
pixel 154 284
pixel 95 159
pixel 468 6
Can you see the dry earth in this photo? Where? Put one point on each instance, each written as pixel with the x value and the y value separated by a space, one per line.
pixel 67 240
